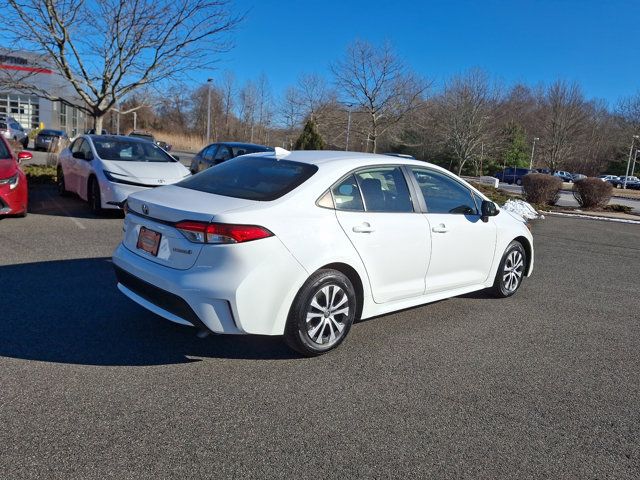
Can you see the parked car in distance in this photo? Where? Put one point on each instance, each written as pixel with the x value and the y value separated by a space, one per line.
pixel 577 176
pixel 609 178
pixel 219 152
pixel 12 130
pixel 513 175
pixel 304 243
pixel 631 182
pixel 105 169
pixel 148 136
pixel 546 171
pixel 92 131
pixel 564 176
pixel 50 140
pixel 14 195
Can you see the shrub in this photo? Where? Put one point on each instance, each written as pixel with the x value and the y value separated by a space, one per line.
pixel 615 207
pixel 40 174
pixel 592 192
pixel 541 189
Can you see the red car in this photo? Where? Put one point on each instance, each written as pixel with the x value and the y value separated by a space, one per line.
pixel 13 181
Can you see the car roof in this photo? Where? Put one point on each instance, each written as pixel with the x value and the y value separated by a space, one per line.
pixel 93 136
pixel 340 158
pixel 240 144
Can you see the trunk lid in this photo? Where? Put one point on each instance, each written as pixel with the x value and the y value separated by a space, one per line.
pixel 160 209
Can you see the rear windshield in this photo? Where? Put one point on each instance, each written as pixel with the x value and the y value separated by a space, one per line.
pixel 129 150
pixel 251 178
pixel 4 151
pixel 245 149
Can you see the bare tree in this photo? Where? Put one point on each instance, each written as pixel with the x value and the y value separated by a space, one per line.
pixel 375 81
pixel 107 49
pixel 228 90
pixel 462 115
pixel 564 124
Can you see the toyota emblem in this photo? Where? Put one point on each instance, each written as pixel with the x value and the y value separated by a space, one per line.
pixel 145 209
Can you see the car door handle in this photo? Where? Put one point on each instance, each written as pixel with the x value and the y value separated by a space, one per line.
pixel 442 228
pixel 364 228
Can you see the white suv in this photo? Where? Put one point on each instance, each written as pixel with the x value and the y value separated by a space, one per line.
pixel 12 130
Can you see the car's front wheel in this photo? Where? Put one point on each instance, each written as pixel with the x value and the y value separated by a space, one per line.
pixel 62 186
pixel 95 202
pixel 511 270
pixel 322 313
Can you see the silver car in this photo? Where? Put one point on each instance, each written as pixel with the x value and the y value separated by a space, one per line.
pixel 12 130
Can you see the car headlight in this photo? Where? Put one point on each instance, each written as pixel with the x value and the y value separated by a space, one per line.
pixel 11 181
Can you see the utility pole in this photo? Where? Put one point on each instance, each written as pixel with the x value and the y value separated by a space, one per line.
pixel 533 149
pixel 481 156
pixel 633 140
pixel 209 80
pixel 348 128
pixel 633 167
pixel 135 120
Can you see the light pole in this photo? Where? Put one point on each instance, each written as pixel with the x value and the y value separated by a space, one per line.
pixel 633 140
pixel 633 167
pixel 533 150
pixel 209 80
pixel 135 120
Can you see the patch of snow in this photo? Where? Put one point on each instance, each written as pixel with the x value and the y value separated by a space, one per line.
pixel 522 208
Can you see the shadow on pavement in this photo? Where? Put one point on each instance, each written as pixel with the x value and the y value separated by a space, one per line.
pixel 71 312
pixel 45 200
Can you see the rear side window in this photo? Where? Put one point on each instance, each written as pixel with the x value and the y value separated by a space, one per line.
pixel 251 178
pixel 384 190
pixel 346 195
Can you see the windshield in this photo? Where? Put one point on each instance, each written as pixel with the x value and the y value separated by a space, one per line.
pixel 130 150
pixel 251 178
pixel 52 132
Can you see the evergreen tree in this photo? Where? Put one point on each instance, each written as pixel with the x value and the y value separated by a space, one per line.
pixel 309 139
pixel 516 153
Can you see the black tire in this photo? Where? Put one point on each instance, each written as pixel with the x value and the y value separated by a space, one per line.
pixel 327 327
pixel 93 194
pixel 60 183
pixel 25 142
pixel 511 271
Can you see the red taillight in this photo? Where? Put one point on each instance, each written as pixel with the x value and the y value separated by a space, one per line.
pixel 200 232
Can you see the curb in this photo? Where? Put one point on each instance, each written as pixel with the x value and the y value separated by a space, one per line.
pixel 593 217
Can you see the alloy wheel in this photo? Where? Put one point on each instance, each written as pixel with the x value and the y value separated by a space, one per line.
pixel 513 270
pixel 327 315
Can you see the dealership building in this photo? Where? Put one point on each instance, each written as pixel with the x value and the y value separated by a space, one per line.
pixel 26 106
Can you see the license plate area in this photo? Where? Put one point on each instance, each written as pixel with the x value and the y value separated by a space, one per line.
pixel 149 241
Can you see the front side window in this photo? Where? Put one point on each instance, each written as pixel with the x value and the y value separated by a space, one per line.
pixel 443 194
pixel 77 145
pixel 251 178
pixel 346 195
pixel 384 189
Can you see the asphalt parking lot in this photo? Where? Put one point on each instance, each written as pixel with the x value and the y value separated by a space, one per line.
pixel 542 385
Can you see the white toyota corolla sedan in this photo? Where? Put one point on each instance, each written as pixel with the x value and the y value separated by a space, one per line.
pixel 303 243
pixel 105 169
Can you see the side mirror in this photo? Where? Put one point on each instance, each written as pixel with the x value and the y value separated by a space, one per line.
pixel 488 209
pixel 24 156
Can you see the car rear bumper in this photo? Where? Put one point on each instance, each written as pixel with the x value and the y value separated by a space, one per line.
pixel 246 293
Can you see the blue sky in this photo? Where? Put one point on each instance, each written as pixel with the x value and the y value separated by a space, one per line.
pixel 593 42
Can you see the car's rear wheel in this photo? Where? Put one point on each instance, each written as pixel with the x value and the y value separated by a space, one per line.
pixel 94 196
pixel 321 314
pixel 511 271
